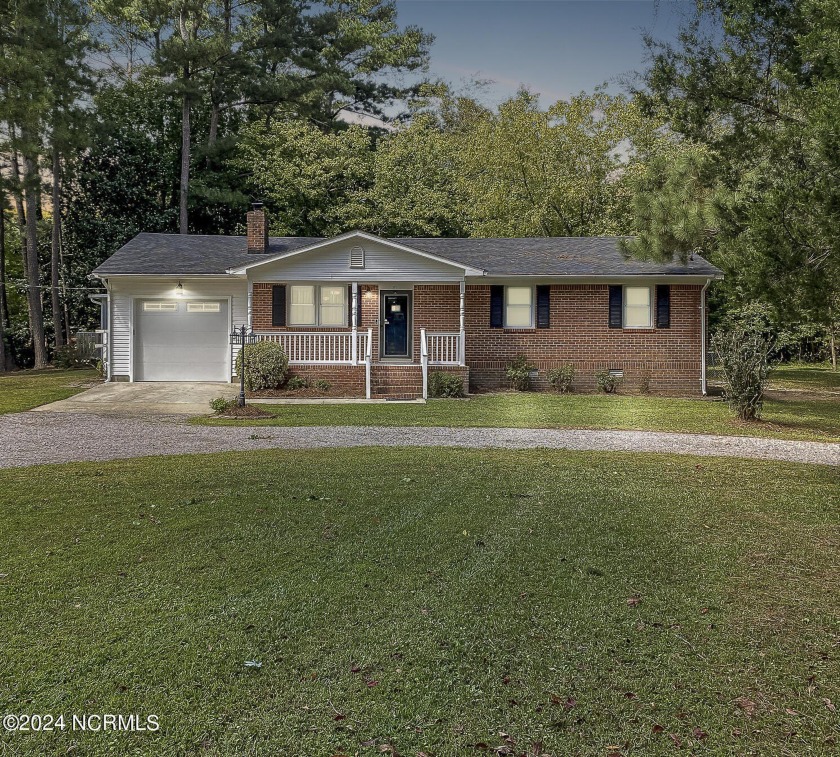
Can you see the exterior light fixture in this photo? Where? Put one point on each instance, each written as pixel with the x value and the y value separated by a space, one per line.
pixel 179 290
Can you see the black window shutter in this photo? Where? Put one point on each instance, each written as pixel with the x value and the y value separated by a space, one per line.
pixel 497 306
pixel 543 306
pixel 349 305
pixel 616 302
pixel 278 305
pixel 663 306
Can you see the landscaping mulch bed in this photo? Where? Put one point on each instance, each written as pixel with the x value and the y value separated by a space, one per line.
pixel 308 393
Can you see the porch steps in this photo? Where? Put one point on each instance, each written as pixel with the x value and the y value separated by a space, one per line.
pixel 396 382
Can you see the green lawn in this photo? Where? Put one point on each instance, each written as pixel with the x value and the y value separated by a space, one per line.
pixel 23 390
pixel 425 601
pixel 806 377
pixel 796 417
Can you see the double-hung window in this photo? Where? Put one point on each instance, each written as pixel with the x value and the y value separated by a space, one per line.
pixel 637 307
pixel 519 307
pixel 311 305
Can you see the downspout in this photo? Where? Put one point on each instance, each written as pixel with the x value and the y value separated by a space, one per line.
pixel 703 337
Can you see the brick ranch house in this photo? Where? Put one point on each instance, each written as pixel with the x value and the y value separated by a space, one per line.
pixel 374 316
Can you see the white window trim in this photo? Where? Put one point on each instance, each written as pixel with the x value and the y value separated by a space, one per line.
pixel 317 300
pixel 533 306
pixel 204 307
pixel 160 306
pixel 624 306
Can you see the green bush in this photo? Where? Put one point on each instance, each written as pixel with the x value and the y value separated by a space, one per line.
pixel 607 382
pixel 322 385
pixel 68 356
pixel 297 382
pixel 744 358
pixel 445 384
pixel 220 405
pixel 519 373
pixel 561 378
pixel 266 366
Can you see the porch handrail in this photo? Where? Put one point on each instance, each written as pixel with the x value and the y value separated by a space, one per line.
pixel 314 347
pixel 424 362
pixel 444 347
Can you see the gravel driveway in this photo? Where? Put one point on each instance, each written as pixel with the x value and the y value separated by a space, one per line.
pixel 38 438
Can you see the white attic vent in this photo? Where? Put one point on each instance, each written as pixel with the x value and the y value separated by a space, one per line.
pixel 357 257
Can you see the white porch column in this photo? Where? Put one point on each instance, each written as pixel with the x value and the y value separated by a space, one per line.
pixel 462 347
pixel 250 305
pixel 354 347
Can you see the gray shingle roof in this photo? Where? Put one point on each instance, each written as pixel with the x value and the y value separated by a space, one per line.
pixel 175 254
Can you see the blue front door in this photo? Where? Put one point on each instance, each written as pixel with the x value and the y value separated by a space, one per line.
pixel 396 323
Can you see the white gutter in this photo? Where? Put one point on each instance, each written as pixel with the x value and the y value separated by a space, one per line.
pixel 703 337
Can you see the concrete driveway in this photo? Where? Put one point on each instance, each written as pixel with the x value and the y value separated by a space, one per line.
pixel 144 398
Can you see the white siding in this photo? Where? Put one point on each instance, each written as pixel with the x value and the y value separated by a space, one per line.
pixel 382 263
pixel 124 288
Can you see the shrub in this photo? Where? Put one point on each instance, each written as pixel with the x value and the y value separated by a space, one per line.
pixel 445 384
pixel 607 382
pixel 266 366
pixel 519 373
pixel 297 382
pixel 744 358
pixel 68 356
pixel 220 404
pixel 644 382
pixel 322 385
pixel 561 378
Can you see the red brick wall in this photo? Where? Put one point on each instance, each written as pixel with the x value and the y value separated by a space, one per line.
pixel 580 335
pixel 348 380
pixel 436 308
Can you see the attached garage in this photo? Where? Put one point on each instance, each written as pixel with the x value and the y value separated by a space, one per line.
pixel 182 340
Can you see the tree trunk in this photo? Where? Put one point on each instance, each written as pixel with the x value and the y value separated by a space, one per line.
pixel 33 275
pixel 183 224
pixel 4 297
pixel 833 343
pixel 55 252
pixel 2 283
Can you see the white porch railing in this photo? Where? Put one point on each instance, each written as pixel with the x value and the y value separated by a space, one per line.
pixel 440 348
pixel 444 348
pixel 326 348
pixel 321 348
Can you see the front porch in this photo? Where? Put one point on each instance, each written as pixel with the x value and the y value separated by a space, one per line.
pixel 345 358
pixel 393 336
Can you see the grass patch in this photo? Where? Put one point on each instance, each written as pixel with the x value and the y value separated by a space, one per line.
pixel 785 418
pixel 23 390
pixel 424 600
pixel 805 377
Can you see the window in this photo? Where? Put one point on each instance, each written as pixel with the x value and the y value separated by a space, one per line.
pixel 637 307
pixel 318 306
pixel 203 307
pixel 302 307
pixel 160 307
pixel 333 306
pixel 518 307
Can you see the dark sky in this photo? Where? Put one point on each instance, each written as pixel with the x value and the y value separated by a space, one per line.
pixel 555 47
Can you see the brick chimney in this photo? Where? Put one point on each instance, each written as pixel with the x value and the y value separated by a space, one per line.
pixel 257 229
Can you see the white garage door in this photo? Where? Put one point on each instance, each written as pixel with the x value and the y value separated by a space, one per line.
pixel 181 340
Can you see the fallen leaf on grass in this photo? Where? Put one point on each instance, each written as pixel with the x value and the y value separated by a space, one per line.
pixel 634 601
pixel 828 703
pixel 676 740
pixel 747 705
pixel 699 733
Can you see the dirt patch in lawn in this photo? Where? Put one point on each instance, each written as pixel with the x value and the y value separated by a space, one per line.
pixel 249 411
